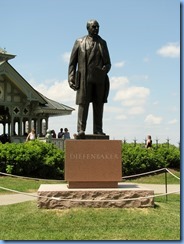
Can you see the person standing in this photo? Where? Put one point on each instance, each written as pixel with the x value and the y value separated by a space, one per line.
pixel 149 142
pixel 53 133
pixel 48 136
pixel 87 74
pixel 66 134
pixel 60 134
pixel 31 136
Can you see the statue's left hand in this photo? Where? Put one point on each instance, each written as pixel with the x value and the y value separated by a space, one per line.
pixel 104 68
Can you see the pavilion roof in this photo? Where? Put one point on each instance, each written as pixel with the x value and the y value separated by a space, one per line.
pixel 54 108
pixel 46 105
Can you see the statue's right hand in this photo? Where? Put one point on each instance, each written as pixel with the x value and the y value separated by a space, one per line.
pixel 72 85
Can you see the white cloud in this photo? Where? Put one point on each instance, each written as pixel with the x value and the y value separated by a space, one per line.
pixel 136 110
pixel 119 64
pixel 151 119
pixel 113 109
pixel 132 95
pixel 134 102
pixel 171 50
pixel 58 91
pixel 172 122
pixel 66 57
pixel 117 82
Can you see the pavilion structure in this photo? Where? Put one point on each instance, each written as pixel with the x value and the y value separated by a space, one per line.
pixel 21 106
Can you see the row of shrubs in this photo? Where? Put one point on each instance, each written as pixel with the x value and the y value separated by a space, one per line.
pixel 33 159
pixel 138 159
pixel 45 160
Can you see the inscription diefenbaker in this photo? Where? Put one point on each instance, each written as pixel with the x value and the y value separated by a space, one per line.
pixel 93 156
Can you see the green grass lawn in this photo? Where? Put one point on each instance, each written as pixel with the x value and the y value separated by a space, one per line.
pixel 23 185
pixel 157 178
pixel 24 221
pixel 31 185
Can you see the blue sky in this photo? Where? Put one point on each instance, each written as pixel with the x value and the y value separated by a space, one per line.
pixel 143 37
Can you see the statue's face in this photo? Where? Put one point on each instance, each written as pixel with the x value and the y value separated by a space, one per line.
pixel 93 28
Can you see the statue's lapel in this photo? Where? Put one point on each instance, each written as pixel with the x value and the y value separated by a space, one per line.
pixel 92 53
pixel 83 45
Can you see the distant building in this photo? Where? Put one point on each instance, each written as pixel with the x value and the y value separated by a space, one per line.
pixel 21 106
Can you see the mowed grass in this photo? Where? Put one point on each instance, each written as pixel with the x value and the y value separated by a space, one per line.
pixel 25 221
pixel 23 185
pixel 32 185
pixel 158 178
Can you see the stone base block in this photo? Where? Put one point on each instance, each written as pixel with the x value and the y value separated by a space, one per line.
pixel 59 196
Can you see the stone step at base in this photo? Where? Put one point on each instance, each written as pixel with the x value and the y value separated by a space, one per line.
pixel 59 196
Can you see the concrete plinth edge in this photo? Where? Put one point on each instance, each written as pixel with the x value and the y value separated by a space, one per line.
pixel 59 196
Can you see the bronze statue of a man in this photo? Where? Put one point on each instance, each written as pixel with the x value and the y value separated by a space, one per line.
pixel 87 74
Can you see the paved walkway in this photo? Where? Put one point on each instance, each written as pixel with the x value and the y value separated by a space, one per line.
pixel 161 188
pixel 7 199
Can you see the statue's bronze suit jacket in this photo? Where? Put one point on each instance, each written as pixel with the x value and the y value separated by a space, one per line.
pixel 84 64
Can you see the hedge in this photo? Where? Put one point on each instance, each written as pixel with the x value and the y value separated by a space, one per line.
pixel 32 158
pixel 45 160
pixel 138 159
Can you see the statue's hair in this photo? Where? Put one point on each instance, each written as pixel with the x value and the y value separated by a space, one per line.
pixel 90 22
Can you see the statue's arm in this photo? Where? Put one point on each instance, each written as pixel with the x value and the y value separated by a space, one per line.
pixel 73 65
pixel 105 55
pixel 106 59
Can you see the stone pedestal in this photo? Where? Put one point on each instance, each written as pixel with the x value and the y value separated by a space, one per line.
pixel 58 196
pixel 93 169
pixel 93 163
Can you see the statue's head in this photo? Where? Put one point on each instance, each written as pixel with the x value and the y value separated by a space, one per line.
pixel 93 27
